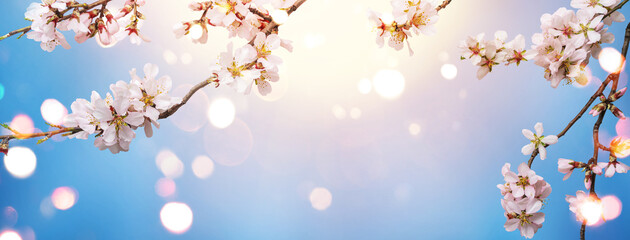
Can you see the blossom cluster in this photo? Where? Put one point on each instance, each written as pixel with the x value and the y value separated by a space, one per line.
pixel 108 26
pixel 409 16
pixel 569 38
pixel 487 53
pixel 567 41
pixel 524 194
pixel 133 104
pixel 619 148
pixel 254 63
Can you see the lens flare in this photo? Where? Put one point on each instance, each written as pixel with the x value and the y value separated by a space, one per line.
pixel 221 113
pixel 449 71
pixel 414 129
pixel 22 124
pixel 169 164
pixel 176 217
pixel 53 111
pixel 165 187
pixel 63 198
pixel 611 206
pixel 592 211
pixel 611 60
pixel 320 198
pixel 389 83
pixel 202 167
pixel 170 57
pixel 20 162
pixel 10 235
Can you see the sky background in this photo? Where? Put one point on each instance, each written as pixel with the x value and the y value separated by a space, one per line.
pixel 385 182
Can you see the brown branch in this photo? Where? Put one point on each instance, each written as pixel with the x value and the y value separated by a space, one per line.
pixel 41 134
pixel 86 7
pixel 266 17
pixel 185 99
pixel 444 4
pixel 615 9
pixel 611 77
pixel 582 230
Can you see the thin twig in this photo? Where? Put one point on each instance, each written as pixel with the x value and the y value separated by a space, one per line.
pixel 615 9
pixel 24 30
pixel 213 79
pixel 580 114
pixel 444 4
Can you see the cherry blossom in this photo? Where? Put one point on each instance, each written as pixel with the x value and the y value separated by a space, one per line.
pixel 523 196
pixel 538 141
pixel 416 16
pixel 133 104
pixel 620 147
pixel 233 69
pixel 613 166
pixel 524 216
pixel 566 166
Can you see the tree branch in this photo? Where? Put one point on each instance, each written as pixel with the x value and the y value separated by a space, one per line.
pixel 86 7
pixel 444 4
pixel 615 9
pixel 213 79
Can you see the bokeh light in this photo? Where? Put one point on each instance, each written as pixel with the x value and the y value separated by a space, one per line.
pixel 186 58
pixel 591 210
pixel 611 60
pixel 47 208
pixel 611 206
pixel 365 86
pixel 230 146
pixel 169 164
pixel 10 235
pixel 63 198
pixel 188 118
pixel 279 16
pixel 389 83
pixel 53 111
pixel 1 91
pixel 202 167
pixel 320 198
pixel 165 187
pixel 355 113
pixel 20 162
pixel 176 217
pixel 22 124
pixel 449 71
pixel 414 129
pixel 623 127
pixel 221 113
pixel 339 112
pixel 196 31
pixel 9 217
pixel 170 57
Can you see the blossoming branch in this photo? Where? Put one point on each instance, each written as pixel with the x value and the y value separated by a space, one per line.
pixel 417 16
pixel 108 26
pixel 141 102
pixel 567 42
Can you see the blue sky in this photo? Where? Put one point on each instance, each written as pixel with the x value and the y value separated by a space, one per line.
pixel 385 183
